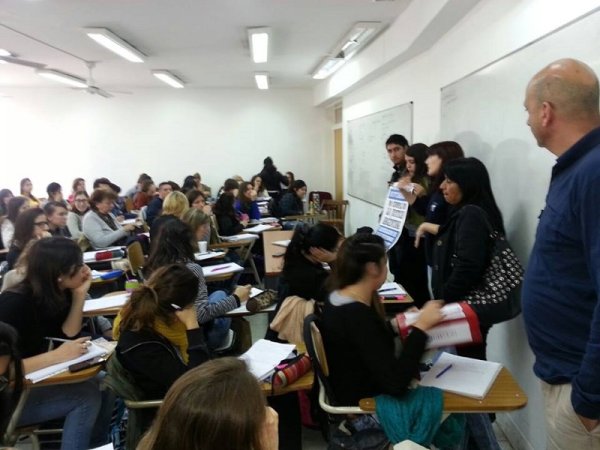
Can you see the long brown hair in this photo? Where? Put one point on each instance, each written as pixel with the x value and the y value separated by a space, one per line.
pixel 218 405
pixel 169 285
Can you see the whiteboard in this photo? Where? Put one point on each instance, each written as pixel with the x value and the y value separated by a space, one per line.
pixel 369 168
pixel 484 112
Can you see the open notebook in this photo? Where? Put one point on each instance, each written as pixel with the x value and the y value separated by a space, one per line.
pixel 264 356
pixel 463 376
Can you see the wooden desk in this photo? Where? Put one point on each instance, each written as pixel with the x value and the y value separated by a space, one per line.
pixel 274 265
pixel 505 395
pixel 67 377
pixel 308 218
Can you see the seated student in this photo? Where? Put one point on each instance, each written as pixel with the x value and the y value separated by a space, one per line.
pixel 158 331
pixel 156 204
pixel 197 200
pixel 259 187
pixel 144 195
pixel 174 206
pixel 291 178
pixel 100 226
pixel 31 225
pixel 291 203
pixel 206 190
pixel 358 340
pixel 26 189
pixel 174 244
pixel 77 186
pixel 49 302
pixel 199 223
pixel 223 408
pixel 138 185
pixel 246 205
pixel 54 191
pixel 57 213
pixel 5 196
pixel 16 205
pixel 189 183
pixel 227 219
pixel 81 205
pixel 118 210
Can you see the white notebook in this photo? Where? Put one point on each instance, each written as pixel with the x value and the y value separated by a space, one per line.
pixel 220 269
pixel 239 237
pixel 111 301
pixel 463 376
pixel 264 356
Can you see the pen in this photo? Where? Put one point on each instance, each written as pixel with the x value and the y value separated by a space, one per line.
pixel 387 290
pixel 55 339
pixel 444 370
pixel 218 268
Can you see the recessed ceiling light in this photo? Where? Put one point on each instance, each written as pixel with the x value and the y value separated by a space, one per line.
pixel 262 80
pixel 114 43
pixel 259 44
pixel 167 77
pixel 62 77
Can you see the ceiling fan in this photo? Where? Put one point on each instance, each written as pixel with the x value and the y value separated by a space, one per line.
pixel 22 62
pixel 92 88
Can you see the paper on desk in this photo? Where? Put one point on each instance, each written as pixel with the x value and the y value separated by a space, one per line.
pixel 219 269
pixel 466 376
pixel 112 301
pixel 264 356
pixel 391 288
pixel 259 228
pixel 283 243
pixel 207 255
pixel 47 372
pixel 129 221
pixel 239 237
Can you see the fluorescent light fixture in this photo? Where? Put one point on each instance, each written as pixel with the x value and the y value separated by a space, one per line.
pixel 115 44
pixel 259 44
pixel 4 52
pixel 262 80
pixel 327 67
pixel 167 77
pixel 62 77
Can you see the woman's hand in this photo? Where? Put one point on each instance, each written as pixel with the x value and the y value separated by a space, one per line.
pixel 419 190
pixel 188 317
pixel 425 227
pixel 120 218
pixel 129 227
pixel 81 291
pixel 322 255
pixel 72 349
pixel 430 316
pixel 243 292
pixel 269 435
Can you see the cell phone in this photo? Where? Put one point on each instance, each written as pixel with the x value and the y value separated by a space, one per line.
pixel 87 364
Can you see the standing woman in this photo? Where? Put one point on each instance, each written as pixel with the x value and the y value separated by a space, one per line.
pixel 26 188
pixel 100 226
pixel 49 302
pixel 30 225
pixel 57 213
pixel 174 245
pixel 273 179
pixel 246 205
pixel 433 205
pixel 218 405
pixel 81 205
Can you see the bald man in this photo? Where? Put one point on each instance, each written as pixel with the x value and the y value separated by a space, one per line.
pixel 561 291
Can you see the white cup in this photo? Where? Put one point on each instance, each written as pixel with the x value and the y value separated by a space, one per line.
pixel 203 246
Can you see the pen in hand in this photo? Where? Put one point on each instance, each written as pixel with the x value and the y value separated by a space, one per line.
pixel 444 370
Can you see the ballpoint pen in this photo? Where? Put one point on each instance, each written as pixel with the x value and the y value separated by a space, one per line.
pixel 444 370
pixel 218 268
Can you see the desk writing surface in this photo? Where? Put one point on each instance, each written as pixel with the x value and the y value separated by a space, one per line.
pixel 305 382
pixel 68 377
pixel 504 395
pixel 274 265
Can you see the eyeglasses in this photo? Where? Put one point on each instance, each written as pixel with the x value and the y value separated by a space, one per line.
pixel 41 224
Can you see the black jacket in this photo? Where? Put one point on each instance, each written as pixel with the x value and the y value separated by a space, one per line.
pixel 272 179
pixel 461 253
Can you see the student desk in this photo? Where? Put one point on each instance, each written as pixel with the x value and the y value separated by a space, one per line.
pixel 504 395
pixel 305 382
pixel 307 218
pixel 274 264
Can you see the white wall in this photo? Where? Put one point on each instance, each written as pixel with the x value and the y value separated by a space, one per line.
pixel 59 134
pixel 491 30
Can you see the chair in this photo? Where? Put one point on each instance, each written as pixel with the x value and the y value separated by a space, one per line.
pixel 119 380
pixel 129 204
pixel 336 213
pixel 135 256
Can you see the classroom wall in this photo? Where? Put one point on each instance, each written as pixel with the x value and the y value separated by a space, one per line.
pixel 492 29
pixel 57 134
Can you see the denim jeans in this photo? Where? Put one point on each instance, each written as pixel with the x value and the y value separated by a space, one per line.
pixel 78 403
pixel 480 432
pixel 219 328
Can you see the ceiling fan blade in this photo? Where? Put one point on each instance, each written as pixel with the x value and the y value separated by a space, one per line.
pixel 103 93
pixel 112 91
pixel 22 62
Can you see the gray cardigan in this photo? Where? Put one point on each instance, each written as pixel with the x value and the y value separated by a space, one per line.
pixel 99 233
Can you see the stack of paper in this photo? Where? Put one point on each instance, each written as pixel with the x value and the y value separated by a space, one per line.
pixel 221 269
pixel 47 372
pixel 207 255
pixel 239 237
pixel 391 289
pixel 111 301
pixel 463 376
pixel 283 243
pixel 264 356
pixel 259 228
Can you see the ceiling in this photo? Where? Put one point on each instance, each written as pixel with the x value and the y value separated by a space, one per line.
pixel 204 42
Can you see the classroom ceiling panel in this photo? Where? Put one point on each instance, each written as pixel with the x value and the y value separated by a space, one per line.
pixel 202 41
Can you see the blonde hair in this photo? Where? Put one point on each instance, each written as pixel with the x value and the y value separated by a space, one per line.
pixel 175 204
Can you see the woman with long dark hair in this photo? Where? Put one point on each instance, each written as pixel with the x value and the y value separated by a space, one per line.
pixel 5 196
pixel 291 204
pixel 11 374
pixel 246 205
pixel 30 225
pixel 227 219
pixel 174 244
pixel 49 302
pixel 16 205
pixel 218 405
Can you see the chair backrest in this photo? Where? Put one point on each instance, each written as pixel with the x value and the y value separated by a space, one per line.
pixel 322 196
pixel 135 255
pixel 336 209
pixel 316 351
